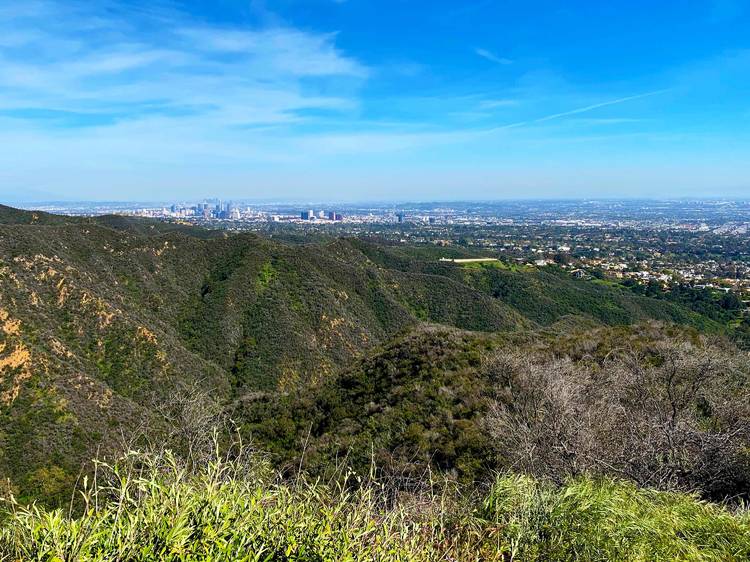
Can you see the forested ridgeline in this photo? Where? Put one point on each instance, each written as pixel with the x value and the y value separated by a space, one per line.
pixel 344 349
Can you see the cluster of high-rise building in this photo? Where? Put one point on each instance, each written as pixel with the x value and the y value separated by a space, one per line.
pixel 213 209
pixel 218 210
pixel 310 215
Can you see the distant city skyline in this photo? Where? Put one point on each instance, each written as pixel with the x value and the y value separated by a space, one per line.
pixel 303 203
pixel 373 100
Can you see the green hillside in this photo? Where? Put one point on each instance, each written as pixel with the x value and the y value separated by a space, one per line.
pixel 104 318
pixel 468 404
pixel 542 295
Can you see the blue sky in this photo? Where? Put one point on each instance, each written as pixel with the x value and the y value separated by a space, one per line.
pixel 373 99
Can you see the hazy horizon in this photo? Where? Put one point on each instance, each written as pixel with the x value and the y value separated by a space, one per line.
pixel 377 203
pixel 365 100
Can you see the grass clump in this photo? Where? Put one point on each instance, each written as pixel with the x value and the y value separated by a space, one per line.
pixel 149 507
pixel 605 519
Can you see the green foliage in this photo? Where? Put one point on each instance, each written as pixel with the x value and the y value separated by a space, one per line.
pixel 719 306
pixel 148 508
pixel 425 401
pixel 544 296
pixel 232 511
pixel 610 520
pixel 113 312
pixel 415 403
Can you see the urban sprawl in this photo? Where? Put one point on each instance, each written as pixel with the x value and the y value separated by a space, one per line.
pixel 698 244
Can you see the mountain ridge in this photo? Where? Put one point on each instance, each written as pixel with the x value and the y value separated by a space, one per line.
pixel 102 316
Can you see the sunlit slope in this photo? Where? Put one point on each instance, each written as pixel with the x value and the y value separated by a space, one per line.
pixel 100 318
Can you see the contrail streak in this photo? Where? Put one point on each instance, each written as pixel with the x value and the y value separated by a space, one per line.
pixel 578 110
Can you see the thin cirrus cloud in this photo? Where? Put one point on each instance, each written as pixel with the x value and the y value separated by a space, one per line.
pixel 256 75
pixel 92 90
pixel 492 57
pixel 498 103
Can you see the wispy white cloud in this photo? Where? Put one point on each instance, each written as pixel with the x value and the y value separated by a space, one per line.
pixel 604 121
pixel 492 57
pixel 496 103
pixel 579 110
pixel 86 94
pixel 170 65
pixel 285 50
